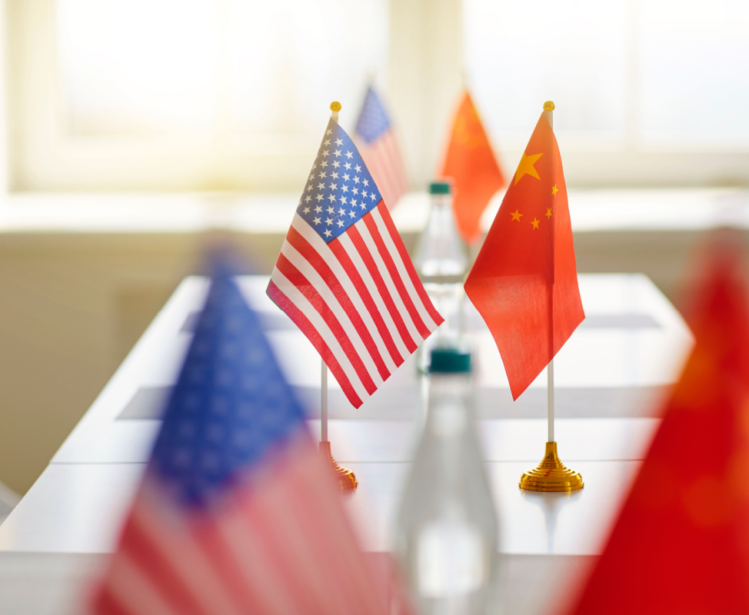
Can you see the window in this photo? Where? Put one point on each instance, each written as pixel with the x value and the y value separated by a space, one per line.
pixel 694 73
pixel 632 80
pixel 520 54
pixel 232 94
pixel 185 93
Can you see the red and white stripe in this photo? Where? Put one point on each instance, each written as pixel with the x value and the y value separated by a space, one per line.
pixel 279 544
pixel 385 164
pixel 358 299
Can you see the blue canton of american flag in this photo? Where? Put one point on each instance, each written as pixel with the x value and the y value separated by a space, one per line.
pixel 344 276
pixel 379 149
pixel 340 189
pixel 237 512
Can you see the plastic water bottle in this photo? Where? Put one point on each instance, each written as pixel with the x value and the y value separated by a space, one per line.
pixel 441 262
pixel 446 536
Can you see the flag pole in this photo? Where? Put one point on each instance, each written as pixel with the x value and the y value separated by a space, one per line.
pixel 550 398
pixel 324 402
pixel 345 477
pixel 551 474
pixel 549 116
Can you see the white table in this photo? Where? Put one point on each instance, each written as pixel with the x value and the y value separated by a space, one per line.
pixel 609 376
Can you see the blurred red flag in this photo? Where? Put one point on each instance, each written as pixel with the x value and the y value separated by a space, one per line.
pixel 524 280
pixel 681 543
pixel 471 163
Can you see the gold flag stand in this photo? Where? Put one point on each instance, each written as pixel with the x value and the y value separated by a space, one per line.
pixel 551 474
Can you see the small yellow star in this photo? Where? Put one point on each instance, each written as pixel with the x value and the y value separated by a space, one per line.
pixel 526 166
pixel 516 215
pixel 535 223
pixel 554 190
pixel 548 212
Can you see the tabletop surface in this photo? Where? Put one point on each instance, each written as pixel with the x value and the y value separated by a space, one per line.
pixel 609 376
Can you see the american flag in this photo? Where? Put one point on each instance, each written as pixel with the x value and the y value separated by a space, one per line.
pixel 344 276
pixel 379 149
pixel 237 513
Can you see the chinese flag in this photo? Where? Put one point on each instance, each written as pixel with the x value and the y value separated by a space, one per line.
pixel 681 543
pixel 471 163
pixel 524 280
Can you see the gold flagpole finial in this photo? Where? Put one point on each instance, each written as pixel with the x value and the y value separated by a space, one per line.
pixel 549 113
pixel 335 107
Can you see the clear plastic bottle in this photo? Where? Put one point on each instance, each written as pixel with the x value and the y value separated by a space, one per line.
pixel 446 535
pixel 441 262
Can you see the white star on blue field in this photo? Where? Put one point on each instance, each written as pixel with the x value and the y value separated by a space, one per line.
pixel 340 189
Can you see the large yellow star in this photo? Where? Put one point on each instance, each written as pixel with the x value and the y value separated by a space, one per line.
pixel 534 222
pixel 526 167
pixel 516 215
pixel 554 190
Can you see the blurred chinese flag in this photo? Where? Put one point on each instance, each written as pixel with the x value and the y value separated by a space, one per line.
pixel 681 544
pixel 471 163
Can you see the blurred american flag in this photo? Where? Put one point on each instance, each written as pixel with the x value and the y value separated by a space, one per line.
pixel 237 512
pixel 378 147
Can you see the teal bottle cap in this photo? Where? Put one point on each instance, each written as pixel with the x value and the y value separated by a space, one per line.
pixel 440 187
pixel 450 361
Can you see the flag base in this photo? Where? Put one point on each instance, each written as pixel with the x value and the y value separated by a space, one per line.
pixel 551 475
pixel 344 477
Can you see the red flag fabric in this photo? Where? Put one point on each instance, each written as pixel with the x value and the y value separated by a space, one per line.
pixel 524 280
pixel 681 543
pixel 471 163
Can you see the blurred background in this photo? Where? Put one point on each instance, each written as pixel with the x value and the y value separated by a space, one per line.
pixel 129 126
